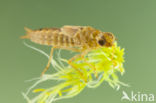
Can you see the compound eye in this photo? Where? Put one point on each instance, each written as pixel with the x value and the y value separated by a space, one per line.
pixel 101 42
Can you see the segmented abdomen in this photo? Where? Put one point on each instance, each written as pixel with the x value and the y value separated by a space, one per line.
pixel 54 38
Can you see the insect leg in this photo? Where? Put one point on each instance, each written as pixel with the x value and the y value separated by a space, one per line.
pixel 49 61
pixel 70 63
pixel 82 56
pixel 92 66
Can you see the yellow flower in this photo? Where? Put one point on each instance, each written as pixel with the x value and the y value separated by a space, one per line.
pixel 96 67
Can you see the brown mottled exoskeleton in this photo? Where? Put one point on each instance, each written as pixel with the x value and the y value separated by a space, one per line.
pixel 76 38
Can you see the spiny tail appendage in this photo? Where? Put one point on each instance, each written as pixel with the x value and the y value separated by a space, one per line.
pixel 27 36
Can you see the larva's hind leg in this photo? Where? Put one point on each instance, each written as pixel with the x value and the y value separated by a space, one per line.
pixel 49 61
pixel 51 54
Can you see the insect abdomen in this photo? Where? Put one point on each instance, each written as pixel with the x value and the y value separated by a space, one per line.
pixel 50 37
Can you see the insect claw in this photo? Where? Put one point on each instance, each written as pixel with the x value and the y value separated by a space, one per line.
pixel 46 68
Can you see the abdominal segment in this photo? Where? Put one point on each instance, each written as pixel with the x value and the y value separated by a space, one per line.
pixel 53 38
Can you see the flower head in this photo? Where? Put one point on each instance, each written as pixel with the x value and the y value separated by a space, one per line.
pixel 96 67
